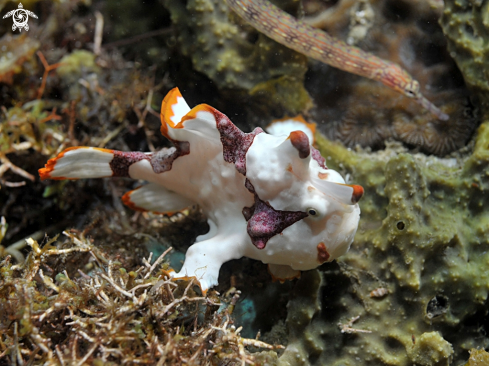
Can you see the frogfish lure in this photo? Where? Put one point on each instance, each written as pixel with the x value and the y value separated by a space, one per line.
pixel 266 197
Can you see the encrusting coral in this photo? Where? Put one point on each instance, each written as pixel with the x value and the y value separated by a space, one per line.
pixel 465 23
pixel 207 31
pixel 239 59
pixel 478 357
pixel 364 126
pixel 421 237
pixel 412 290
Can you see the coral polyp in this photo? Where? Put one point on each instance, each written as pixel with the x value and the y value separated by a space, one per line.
pixel 364 126
pixel 433 137
pixel 417 44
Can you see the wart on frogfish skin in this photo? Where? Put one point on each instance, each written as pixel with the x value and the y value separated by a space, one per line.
pixel 273 216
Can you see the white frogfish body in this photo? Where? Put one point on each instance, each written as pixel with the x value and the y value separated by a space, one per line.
pixel 267 197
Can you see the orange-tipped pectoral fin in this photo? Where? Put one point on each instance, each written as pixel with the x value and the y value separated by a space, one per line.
pixel 126 199
pixel 77 163
pixel 49 167
pixel 168 273
pixel 345 193
pixel 45 173
pixel 155 198
pixel 173 109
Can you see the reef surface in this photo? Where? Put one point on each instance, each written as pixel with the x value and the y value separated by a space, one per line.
pixel 413 288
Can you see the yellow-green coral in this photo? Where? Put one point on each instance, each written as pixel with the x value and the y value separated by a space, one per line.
pixel 213 37
pixel 465 24
pixel 478 357
pixel 423 233
pixel 422 237
pixel 430 349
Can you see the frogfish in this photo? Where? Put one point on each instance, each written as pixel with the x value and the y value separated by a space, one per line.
pixel 269 197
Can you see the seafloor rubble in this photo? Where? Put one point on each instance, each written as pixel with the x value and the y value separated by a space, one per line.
pixel 118 313
pixel 413 288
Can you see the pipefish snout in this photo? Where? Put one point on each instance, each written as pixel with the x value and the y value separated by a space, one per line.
pixel 314 43
pixel 398 79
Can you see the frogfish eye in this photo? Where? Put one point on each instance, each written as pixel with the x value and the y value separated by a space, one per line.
pixel 312 211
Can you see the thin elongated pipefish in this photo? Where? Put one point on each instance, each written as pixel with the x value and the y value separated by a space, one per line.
pixel 316 44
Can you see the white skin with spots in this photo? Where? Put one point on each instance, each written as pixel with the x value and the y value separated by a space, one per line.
pixel 203 177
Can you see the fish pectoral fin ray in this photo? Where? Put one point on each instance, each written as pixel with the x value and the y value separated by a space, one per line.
pixel 78 163
pixel 155 198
